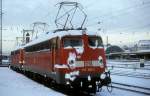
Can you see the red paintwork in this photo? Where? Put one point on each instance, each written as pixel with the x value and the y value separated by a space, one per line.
pixel 18 58
pixel 88 55
pixel 45 60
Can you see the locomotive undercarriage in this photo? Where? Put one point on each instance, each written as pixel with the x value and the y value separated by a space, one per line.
pixel 90 83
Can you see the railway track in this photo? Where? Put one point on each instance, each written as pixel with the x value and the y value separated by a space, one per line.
pixel 133 88
pixel 124 67
pixel 130 73
pixel 142 75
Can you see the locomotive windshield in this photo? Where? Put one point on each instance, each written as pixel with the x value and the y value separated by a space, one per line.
pixel 95 42
pixel 72 42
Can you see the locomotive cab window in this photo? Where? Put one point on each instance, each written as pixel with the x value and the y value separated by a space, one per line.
pixel 95 42
pixel 72 42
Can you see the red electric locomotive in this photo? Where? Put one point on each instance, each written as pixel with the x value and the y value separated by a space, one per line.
pixel 17 58
pixel 72 57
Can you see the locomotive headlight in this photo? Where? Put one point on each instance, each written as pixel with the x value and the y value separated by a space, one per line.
pixel 103 76
pixel 67 76
pixel 100 60
pixel 89 78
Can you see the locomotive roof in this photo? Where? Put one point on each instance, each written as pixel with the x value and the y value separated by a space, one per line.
pixel 48 35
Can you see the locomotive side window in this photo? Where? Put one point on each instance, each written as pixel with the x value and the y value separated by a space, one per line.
pixel 72 42
pixel 95 42
pixel 46 45
pixel 38 47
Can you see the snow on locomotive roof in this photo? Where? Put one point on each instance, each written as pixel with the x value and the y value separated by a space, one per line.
pixel 18 47
pixel 49 35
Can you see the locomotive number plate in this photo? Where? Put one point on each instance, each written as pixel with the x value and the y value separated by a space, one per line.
pixel 87 69
pixel 90 69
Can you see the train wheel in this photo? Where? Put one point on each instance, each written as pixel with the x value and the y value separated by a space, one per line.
pixel 109 87
pixel 53 84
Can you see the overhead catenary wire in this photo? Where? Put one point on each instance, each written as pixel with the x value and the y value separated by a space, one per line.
pixel 123 10
pixel 131 27
pixel 91 4
pixel 120 12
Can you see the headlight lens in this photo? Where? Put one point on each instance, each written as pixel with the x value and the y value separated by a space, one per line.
pixel 103 76
pixel 67 76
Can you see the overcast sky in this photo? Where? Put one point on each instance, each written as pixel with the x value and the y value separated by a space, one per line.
pixel 123 21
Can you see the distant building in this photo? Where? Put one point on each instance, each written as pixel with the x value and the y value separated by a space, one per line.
pixel 139 51
pixel 143 45
pixel 114 49
pixel 5 59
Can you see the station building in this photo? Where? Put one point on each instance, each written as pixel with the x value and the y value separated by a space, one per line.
pixel 142 52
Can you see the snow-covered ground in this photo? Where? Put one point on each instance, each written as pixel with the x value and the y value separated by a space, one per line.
pixel 123 74
pixel 139 77
pixel 128 63
pixel 15 84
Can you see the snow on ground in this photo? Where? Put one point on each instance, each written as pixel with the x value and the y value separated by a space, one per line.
pixel 15 84
pixel 141 82
pixel 131 81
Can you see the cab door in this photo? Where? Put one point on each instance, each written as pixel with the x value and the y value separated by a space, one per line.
pixel 55 52
pixel 53 49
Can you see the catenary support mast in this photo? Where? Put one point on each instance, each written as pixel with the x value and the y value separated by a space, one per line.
pixel 1 13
